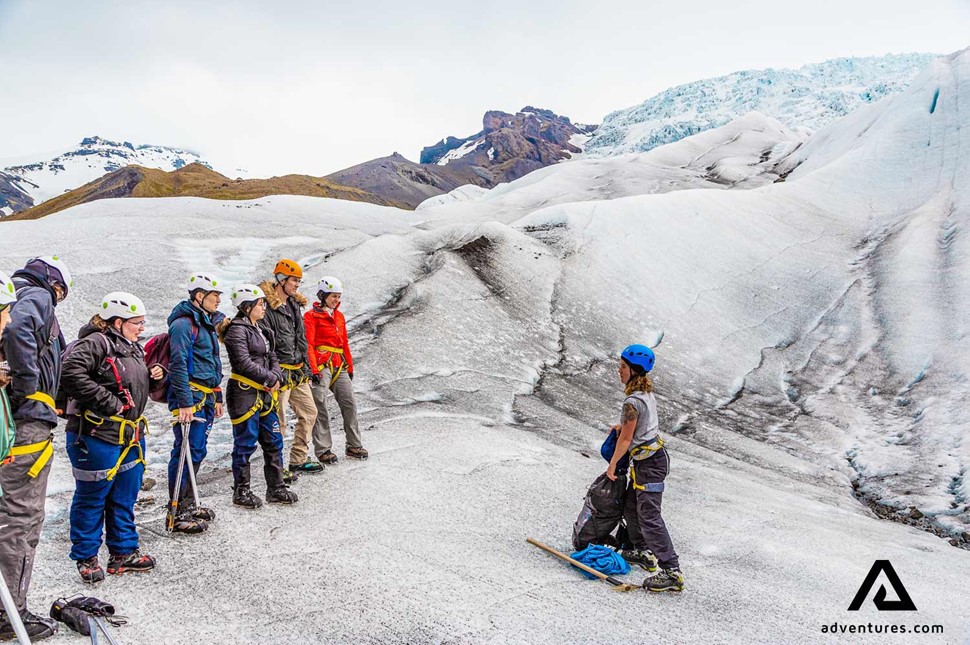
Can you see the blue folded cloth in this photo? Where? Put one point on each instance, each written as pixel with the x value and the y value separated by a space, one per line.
pixel 603 559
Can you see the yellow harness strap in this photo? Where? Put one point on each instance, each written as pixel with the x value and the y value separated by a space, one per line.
pixel 206 391
pixel 45 448
pixel 136 425
pixel 334 373
pixel 135 443
pixel 47 399
pixel 260 401
pixel 292 368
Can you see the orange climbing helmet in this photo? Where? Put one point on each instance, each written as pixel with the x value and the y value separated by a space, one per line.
pixel 288 268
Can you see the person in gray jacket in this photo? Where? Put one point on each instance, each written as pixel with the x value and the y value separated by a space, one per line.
pixel 32 343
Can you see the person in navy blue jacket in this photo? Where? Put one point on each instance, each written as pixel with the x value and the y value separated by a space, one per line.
pixel 194 395
pixel 32 344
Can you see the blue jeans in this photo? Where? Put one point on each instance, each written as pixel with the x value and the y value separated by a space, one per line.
pixel 99 502
pixel 198 443
pixel 245 435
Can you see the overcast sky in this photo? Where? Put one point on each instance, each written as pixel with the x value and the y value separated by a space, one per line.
pixel 312 87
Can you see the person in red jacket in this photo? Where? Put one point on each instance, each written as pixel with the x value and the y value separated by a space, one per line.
pixel 332 368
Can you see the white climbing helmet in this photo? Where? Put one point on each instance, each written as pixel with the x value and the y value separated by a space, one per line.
pixel 329 284
pixel 55 269
pixel 246 293
pixel 119 304
pixel 8 295
pixel 202 281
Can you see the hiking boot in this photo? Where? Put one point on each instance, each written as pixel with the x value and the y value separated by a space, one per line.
pixel 134 561
pixel 37 628
pixel 643 558
pixel 356 453
pixel 328 458
pixel 290 476
pixel 306 467
pixel 90 570
pixel 185 523
pixel 243 496
pixel 199 512
pixel 666 580
pixel 281 495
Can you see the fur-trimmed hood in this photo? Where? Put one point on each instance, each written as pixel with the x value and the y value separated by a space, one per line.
pixel 274 301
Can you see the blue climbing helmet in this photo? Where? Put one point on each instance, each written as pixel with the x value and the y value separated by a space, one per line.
pixel 640 358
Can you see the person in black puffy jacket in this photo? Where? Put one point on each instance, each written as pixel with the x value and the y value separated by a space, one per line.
pixel 107 383
pixel 251 397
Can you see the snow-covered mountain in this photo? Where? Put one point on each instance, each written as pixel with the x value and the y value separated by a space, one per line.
pixel 91 159
pixel 811 378
pixel 808 97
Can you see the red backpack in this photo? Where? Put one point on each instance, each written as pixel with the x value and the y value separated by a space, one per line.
pixel 158 352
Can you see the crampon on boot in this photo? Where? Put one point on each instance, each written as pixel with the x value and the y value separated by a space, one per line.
pixel 185 523
pixel 328 458
pixel 37 628
pixel 243 496
pixel 356 453
pixel 281 495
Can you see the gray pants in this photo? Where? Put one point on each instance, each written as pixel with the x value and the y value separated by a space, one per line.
pixel 343 391
pixel 22 511
pixel 644 524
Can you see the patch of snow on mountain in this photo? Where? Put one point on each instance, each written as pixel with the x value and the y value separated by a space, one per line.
pixel 459 152
pixel 93 158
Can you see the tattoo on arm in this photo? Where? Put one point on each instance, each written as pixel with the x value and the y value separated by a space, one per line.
pixel 629 413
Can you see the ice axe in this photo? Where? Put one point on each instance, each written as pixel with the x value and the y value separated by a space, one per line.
pixel 619 585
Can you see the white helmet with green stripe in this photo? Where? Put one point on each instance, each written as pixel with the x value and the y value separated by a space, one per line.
pixel 119 304
pixel 8 295
pixel 205 282
pixel 246 293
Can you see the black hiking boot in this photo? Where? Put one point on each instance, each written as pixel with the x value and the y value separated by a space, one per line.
pixel 243 496
pixel 666 580
pixel 643 558
pixel 281 495
pixel 134 562
pixel 328 458
pixel 356 453
pixel 37 628
pixel 90 570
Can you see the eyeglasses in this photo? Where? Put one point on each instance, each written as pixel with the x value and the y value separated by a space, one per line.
pixel 136 324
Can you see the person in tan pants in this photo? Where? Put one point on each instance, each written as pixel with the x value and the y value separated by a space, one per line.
pixel 284 317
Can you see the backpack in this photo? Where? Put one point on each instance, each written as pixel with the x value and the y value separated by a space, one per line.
pixel 158 351
pixel 602 512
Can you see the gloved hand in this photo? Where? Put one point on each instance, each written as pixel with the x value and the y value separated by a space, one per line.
pixel 351 375
pixel 317 378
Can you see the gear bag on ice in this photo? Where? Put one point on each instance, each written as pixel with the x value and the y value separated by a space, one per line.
pixel 601 514
pixel 603 507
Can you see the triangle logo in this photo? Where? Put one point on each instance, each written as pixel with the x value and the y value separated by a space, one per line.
pixel 904 602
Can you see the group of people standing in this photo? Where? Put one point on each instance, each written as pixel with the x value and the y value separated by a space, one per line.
pixel 102 382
